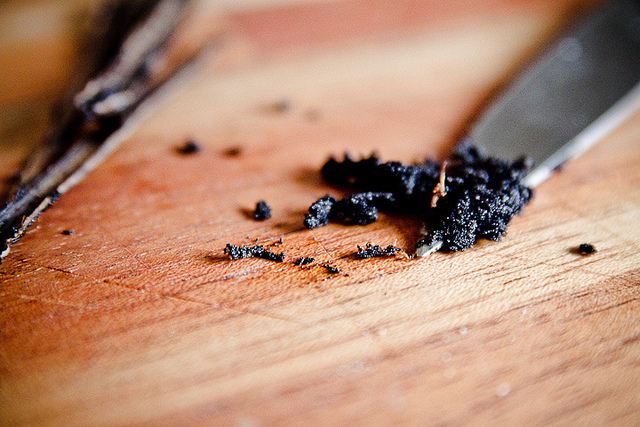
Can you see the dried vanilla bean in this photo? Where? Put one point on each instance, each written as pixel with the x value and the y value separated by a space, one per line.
pixel 124 59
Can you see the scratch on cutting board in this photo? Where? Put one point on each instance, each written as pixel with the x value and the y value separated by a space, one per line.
pixel 123 247
pixel 606 307
pixel 46 300
pixel 175 297
pixel 237 311
pixel 117 284
pixel 274 317
pixel 571 269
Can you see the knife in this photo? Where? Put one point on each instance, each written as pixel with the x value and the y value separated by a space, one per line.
pixel 578 90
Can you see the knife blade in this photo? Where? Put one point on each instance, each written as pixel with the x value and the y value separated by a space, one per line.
pixel 578 90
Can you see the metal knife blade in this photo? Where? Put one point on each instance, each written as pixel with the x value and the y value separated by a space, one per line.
pixel 581 88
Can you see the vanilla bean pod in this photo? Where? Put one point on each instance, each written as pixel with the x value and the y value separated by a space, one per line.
pixel 123 60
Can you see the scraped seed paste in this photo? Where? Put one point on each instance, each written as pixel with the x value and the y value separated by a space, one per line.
pixel 467 198
pixel 461 200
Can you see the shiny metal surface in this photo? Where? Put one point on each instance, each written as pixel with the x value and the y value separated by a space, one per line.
pixel 583 86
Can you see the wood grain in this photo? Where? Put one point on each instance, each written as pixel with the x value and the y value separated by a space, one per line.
pixel 138 317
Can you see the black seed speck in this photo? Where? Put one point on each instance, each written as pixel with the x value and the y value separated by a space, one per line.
pixel 587 249
pixel 372 251
pixel 331 268
pixel 189 147
pixel 358 209
pixel 258 251
pixel 67 232
pixel 233 151
pixel 305 260
pixel 262 211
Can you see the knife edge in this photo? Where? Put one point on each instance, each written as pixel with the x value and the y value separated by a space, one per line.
pixel 596 131
pixel 579 89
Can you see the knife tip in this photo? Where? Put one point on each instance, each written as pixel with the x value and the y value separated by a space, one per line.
pixel 424 250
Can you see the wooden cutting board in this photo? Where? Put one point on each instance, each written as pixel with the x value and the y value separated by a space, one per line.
pixel 139 318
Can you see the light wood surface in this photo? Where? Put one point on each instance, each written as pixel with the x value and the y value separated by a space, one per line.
pixel 138 317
